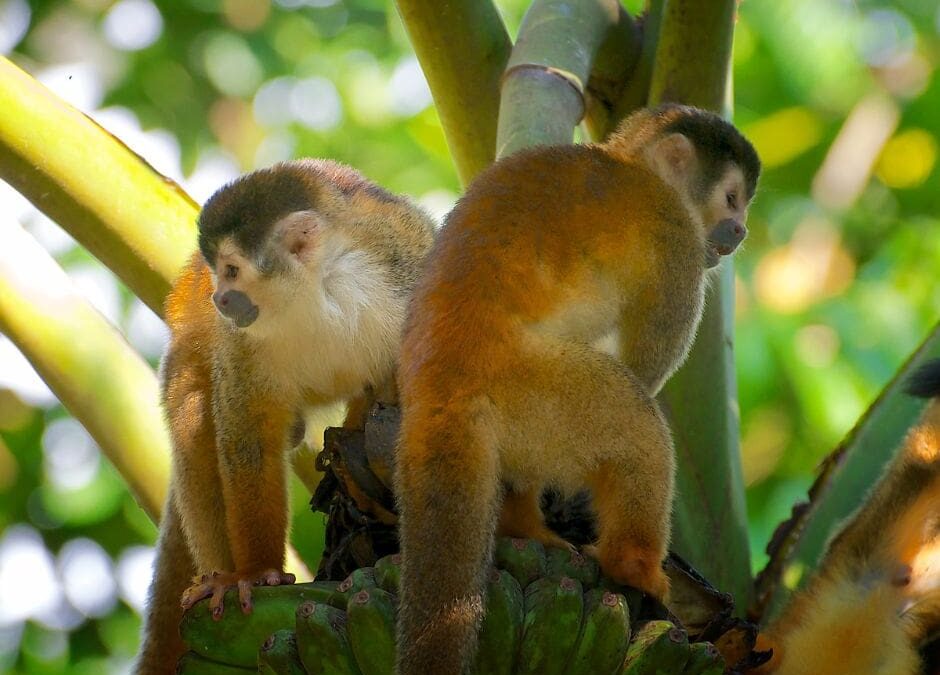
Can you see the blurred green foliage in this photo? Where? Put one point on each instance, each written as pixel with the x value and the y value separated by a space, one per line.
pixel 836 285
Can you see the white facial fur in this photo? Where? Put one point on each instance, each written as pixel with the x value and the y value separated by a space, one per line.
pixel 331 318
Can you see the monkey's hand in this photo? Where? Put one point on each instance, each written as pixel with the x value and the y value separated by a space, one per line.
pixel 216 584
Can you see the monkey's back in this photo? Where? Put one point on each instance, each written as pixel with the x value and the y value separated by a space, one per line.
pixel 549 241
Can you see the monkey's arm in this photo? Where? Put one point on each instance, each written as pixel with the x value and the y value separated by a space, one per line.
pixel 657 328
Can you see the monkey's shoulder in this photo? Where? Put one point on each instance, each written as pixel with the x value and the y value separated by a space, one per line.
pixel 188 307
pixel 578 187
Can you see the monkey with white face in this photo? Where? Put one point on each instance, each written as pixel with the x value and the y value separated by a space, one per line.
pixel 550 250
pixel 296 299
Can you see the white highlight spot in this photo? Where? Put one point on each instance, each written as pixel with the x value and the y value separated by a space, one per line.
pixel 272 102
pixel 315 103
pixel 133 24
pixel 145 330
pixel 28 583
pixel 408 90
pixel 18 375
pixel 214 169
pixel 98 285
pixel 48 233
pixel 134 572
pixel 14 22
pixel 71 457
pixel 88 577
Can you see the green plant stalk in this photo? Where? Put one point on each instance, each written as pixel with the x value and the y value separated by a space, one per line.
pixel 87 363
pixel 692 66
pixel 544 85
pixel 613 66
pixel 462 46
pixel 693 53
pixel 137 222
pixel 845 478
pixel 635 91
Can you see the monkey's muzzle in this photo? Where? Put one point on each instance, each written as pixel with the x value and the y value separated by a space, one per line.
pixel 724 239
pixel 236 306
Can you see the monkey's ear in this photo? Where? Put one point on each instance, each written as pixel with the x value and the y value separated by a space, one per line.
pixel 673 158
pixel 297 233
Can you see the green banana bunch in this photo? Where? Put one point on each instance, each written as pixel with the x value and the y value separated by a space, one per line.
pixel 546 612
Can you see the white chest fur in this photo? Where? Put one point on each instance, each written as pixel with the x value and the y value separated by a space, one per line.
pixel 341 331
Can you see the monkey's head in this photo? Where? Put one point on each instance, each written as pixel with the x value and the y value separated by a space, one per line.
pixel 708 162
pixel 263 235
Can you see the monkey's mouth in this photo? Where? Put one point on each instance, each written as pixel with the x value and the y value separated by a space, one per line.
pixel 712 256
pixel 714 251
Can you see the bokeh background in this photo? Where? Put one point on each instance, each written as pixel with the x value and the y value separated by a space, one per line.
pixel 836 285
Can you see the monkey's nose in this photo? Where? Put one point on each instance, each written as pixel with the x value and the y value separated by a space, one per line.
pixel 220 299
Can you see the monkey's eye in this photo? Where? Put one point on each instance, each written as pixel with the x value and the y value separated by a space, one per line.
pixel 732 199
pixel 231 272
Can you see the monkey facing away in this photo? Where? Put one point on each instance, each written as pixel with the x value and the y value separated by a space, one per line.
pixel 296 298
pixel 876 595
pixel 549 250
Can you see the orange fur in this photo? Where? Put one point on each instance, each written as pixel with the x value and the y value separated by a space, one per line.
pixel 327 261
pixel 875 597
pixel 548 251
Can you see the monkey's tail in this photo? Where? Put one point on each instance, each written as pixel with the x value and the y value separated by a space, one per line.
pixel 161 645
pixel 884 552
pixel 448 495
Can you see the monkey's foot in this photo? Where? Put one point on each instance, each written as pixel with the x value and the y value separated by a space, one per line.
pixel 631 566
pixel 216 584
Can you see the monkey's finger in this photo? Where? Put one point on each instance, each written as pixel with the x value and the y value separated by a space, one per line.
pixel 216 605
pixel 590 550
pixel 244 595
pixel 194 594
pixel 275 578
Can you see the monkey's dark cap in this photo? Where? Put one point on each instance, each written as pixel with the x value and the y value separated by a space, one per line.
pixel 715 138
pixel 247 208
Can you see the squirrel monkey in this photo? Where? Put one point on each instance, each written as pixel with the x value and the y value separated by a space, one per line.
pixel 549 250
pixel 296 298
pixel 876 596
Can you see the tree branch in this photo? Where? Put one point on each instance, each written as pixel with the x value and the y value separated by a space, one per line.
pixel 462 46
pixel 137 222
pixel 543 94
pixel 87 363
pixel 692 66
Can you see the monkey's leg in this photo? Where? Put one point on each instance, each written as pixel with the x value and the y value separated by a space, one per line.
pixel 253 426
pixel 575 416
pixel 161 646
pixel 448 496
pixel 522 517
